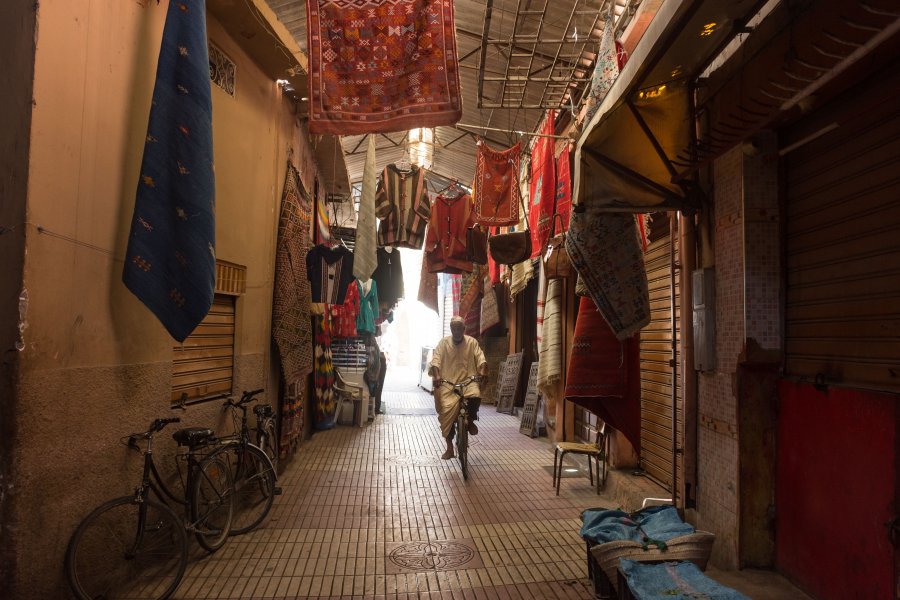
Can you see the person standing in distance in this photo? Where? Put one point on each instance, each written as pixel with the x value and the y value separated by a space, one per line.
pixel 456 357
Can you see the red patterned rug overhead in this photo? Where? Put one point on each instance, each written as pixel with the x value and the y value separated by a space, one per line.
pixel 378 66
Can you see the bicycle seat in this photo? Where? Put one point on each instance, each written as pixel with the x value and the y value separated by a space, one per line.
pixel 263 410
pixel 192 436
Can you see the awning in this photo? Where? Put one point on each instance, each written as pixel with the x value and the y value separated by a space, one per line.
pixel 624 159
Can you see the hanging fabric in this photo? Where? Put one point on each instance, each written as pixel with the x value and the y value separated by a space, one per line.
pixel 291 326
pixel 389 276
pixel 605 249
pixel 541 294
pixel 428 287
pixel 325 414
pixel 606 70
pixel 377 67
pixel 563 191
pixel 401 202
pixel 604 373
pixel 368 307
pixel 496 191
pixel 343 316
pixel 330 272
pixel 365 259
pixel 543 186
pixel 170 262
pixel 470 289
pixel 445 246
pixel 550 347
pixel 323 225
pixel 490 309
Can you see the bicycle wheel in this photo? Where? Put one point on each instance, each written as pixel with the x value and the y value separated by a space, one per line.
pixel 254 485
pixel 127 549
pixel 268 441
pixel 462 444
pixel 212 504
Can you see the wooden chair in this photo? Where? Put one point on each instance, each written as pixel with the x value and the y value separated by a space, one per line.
pixel 596 452
pixel 348 392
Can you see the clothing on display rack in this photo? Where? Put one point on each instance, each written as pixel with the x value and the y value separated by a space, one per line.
pixel 368 307
pixel 401 202
pixel 445 246
pixel 344 316
pixel 330 270
pixel 389 276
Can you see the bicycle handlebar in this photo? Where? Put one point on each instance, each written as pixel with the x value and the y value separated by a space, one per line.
pixel 159 424
pixel 465 381
pixel 155 426
pixel 245 398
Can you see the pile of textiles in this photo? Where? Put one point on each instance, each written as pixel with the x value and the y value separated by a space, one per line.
pixel 674 581
pixel 654 524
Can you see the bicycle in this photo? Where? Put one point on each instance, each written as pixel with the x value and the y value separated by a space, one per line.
pixel 462 423
pixel 136 546
pixel 252 469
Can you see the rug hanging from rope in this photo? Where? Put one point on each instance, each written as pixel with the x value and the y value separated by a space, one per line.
pixel 378 67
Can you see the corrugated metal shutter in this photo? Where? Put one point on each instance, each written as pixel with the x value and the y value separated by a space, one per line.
pixel 657 373
pixel 842 312
pixel 204 364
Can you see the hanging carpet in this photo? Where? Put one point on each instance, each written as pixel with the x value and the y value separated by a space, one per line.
pixel 497 196
pixel 170 263
pixel 291 326
pixel 550 346
pixel 542 189
pixel 377 67
pixel 605 249
pixel 563 191
pixel 604 373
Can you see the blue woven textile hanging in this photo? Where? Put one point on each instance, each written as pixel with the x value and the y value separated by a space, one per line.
pixel 170 264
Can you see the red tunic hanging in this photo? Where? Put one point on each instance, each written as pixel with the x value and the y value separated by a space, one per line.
pixel 445 242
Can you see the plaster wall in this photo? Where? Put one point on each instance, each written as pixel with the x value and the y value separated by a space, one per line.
pixel 97 363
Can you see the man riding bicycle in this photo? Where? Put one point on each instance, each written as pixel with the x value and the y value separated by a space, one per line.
pixel 456 357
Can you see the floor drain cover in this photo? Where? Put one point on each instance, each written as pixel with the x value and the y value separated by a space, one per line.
pixel 419 556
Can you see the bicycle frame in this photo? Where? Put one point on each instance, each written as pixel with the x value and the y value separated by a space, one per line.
pixel 152 481
pixel 243 437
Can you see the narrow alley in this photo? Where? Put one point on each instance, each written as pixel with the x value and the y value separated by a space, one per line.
pixel 374 513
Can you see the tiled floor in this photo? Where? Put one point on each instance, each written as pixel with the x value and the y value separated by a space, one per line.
pixel 373 512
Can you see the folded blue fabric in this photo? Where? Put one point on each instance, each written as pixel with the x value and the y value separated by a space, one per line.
pixel 657 523
pixel 674 581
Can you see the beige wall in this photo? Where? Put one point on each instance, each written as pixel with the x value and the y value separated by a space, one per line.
pixel 97 363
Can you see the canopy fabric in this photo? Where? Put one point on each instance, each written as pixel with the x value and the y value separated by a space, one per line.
pixel 623 158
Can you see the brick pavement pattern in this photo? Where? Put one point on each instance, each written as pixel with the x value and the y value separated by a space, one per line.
pixel 373 512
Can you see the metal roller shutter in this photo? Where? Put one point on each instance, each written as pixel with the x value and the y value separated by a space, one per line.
pixel 204 364
pixel 657 373
pixel 842 311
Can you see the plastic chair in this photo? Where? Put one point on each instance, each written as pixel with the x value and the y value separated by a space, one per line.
pixel 348 392
pixel 598 451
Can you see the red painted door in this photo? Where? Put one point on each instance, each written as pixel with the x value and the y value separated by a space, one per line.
pixel 836 490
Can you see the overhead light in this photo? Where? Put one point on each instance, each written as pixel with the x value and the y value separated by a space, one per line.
pixel 282 81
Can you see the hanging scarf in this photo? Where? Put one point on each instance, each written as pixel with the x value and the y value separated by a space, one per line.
pixel 365 258
pixel 170 263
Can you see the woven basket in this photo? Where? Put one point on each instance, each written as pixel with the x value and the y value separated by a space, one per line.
pixel 694 547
